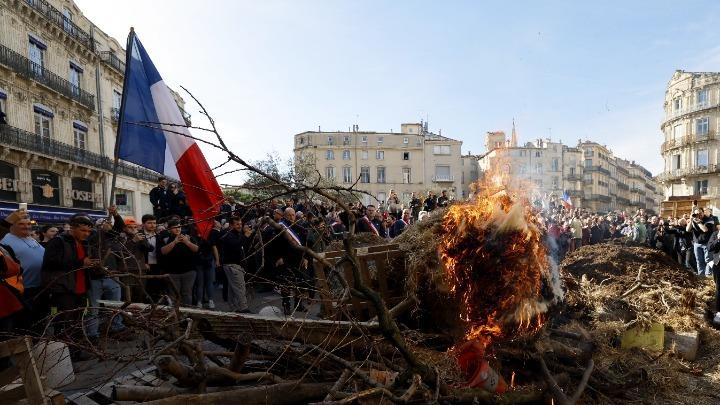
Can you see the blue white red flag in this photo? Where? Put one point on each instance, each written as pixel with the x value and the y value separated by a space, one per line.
pixel 566 201
pixel 166 149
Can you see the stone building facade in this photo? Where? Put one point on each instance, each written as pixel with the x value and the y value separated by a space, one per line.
pixel 61 81
pixel 412 160
pixel 690 150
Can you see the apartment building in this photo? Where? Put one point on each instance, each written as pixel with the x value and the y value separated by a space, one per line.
pixel 412 160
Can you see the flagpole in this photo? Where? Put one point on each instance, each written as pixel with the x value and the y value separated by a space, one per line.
pixel 128 57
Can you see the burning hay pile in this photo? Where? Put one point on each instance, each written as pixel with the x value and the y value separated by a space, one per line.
pixel 482 275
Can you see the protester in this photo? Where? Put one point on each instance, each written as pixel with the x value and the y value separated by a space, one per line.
pixel 701 228
pixel 30 254
pixel 177 250
pixel 65 269
pixel 205 271
pixel 443 200
pixel 177 202
pixel 47 232
pixel 233 260
pixel 400 224
pixel 430 202
pixel 160 199
pixel 365 222
pixel 11 284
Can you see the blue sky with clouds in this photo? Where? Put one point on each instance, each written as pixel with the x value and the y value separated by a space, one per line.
pixel 563 69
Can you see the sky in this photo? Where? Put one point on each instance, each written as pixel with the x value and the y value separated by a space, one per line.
pixel 567 70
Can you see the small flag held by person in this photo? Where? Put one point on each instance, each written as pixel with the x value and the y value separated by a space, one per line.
pixel 566 201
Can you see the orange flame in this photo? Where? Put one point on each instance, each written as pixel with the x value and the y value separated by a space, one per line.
pixel 495 262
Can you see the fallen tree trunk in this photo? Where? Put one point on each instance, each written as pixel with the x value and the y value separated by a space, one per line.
pixel 279 394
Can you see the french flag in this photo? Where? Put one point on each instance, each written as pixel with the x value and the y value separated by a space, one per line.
pixel 567 201
pixel 166 149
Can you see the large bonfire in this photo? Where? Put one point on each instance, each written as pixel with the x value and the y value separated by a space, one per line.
pixel 497 265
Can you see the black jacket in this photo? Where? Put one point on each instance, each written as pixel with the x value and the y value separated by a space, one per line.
pixel 159 198
pixel 60 262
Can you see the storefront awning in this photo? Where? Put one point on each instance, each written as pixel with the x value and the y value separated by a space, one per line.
pixel 45 213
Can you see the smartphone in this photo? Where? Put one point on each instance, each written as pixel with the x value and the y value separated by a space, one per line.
pixel 22 206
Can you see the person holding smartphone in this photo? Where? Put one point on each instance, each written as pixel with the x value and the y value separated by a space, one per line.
pixel 66 274
pixel 178 251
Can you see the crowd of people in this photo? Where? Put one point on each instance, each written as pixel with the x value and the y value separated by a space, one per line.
pixel 57 276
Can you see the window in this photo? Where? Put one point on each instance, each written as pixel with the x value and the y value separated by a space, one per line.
pixel 523 169
pixel 701 187
pixel 43 125
pixel 36 56
pixel 676 161
pixel 364 139
pixel 702 157
pixel 346 140
pixel 67 20
pixel 555 182
pixel 79 137
pixel 441 150
pixel 364 174
pixel 3 108
pixel 677 104
pixel 406 155
pixel 571 171
pixel 75 78
pixel 364 155
pixel 702 98
pixel 406 140
pixel 329 154
pixel 555 165
pixel 587 177
pixel 678 131
pixel 381 174
pixel 116 101
pixel 702 125
pixel 380 140
pixel 380 155
pixel 347 174
pixel 442 173
pixel 331 140
pixel 406 175
pixel 346 154
pixel 538 153
pixel 538 168
pixel 330 173
pixel 302 140
pixel 588 163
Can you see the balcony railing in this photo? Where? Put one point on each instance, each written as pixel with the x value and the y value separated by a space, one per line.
pixel 31 70
pixel 113 61
pixel 623 186
pixel 597 169
pixel 31 142
pixel 56 17
pixel 573 177
pixel 576 193
pixel 687 140
pixel 623 200
pixel 688 171
pixel 600 197
pixel 690 109
pixel 443 178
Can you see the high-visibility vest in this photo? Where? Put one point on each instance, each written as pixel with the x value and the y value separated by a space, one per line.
pixel 13 272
